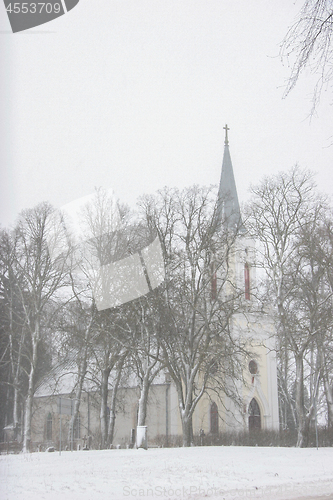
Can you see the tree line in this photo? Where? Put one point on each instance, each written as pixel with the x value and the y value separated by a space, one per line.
pixel 184 325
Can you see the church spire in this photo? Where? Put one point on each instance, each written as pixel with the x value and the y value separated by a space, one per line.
pixel 228 210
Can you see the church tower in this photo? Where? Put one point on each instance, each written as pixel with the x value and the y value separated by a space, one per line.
pixel 229 219
pixel 258 393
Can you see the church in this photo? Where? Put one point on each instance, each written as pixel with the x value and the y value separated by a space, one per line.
pixel 257 407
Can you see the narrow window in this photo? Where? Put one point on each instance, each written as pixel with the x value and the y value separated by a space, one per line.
pixel 49 427
pixel 214 419
pixel 213 282
pixel 247 281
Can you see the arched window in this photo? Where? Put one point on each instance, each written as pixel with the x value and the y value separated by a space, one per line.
pixel 214 419
pixel 247 281
pixel 254 416
pixel 253 367
pixel 49 427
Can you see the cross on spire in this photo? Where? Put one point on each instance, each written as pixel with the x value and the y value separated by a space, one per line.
pixel 228 210
pixel 226 128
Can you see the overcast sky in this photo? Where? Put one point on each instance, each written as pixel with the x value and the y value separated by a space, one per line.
pixel 134 94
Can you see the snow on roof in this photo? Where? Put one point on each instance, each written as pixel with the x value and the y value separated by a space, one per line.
pixel 62 379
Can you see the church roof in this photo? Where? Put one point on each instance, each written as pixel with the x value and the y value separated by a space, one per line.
pixel 228 210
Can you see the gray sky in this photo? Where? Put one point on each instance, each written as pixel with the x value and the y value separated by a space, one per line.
pixel 134 95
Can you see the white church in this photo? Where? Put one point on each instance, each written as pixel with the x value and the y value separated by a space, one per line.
pixel 213 415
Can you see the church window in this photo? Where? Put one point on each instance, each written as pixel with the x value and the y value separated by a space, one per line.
pixel 247 281
pixel 254 416
pixel 214 419
pixel 49 427
pixel 213 282
pixel 253 367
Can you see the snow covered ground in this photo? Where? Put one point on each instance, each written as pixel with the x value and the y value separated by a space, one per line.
pixel 169 474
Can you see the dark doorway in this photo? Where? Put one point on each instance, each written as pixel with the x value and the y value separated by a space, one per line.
pixel 254 416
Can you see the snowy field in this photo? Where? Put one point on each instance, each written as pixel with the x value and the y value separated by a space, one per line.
pixel 170 474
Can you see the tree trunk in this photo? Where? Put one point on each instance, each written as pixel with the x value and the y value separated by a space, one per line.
pixel 287 406
pixel 143 400
pixel 104 406
pixel 112 419
pixel 186 405
pixel 28 414
pixel 187 429
pixel 16 369
pixel 186 417
pixel 302 421
pixel 328 388
pixel 329 400
pixel 30 395
pixel 15 403
pixel 78 392
pixel 82 370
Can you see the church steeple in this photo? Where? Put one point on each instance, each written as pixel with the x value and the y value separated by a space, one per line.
pixel 228 210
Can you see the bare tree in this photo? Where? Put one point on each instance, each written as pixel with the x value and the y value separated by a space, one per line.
pixel 321 238
pixel 116 382
pixel 78 326
pixel 36 292
pixel 110 352
pixel 133 332
pixel 13 331
pixel 308 314
pixel 309 44
pixel 282 215
pixel 196 326
pixel 145 348
pixel 106 237
pixel 111 236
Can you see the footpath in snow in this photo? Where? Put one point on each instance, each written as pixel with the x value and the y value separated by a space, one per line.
pixel 171 474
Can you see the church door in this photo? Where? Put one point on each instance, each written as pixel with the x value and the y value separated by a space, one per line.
pixel 254 416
